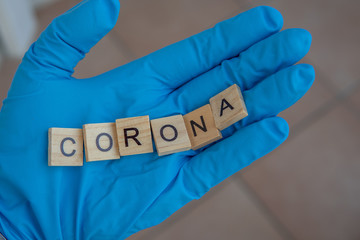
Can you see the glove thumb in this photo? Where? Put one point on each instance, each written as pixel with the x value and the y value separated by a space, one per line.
pixel 70 36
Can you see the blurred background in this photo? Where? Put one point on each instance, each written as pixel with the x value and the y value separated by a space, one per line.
pixel 308 188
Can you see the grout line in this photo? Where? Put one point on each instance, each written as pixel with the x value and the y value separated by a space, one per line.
pixel 313 117
pixel 328 85
pixel 318 113
pixel 354 88
pixel 340 93
pixel 260 204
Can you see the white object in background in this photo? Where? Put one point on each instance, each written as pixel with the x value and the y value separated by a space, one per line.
pixel 17 26
pixel 39 3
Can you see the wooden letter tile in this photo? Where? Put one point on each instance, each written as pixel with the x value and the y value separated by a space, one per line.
pixel 100 142
pixel 201 127
pixel 65 147
pixel 170 135
pixel 134 135
pixel 228 107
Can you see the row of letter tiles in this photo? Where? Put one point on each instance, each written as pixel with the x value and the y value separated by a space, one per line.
pixel 129 136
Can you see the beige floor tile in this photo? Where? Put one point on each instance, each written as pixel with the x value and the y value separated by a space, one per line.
pixel 355 100
pixel 147 26
pixel 226 212
pixel 7 72
pixel 311 183
pixel 336 34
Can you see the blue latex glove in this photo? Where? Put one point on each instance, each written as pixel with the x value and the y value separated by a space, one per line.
pixel 114 199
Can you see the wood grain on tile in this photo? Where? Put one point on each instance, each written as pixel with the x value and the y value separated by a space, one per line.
pixel 65 147
pixel 100 142
pixel 200 125
pixel 228 107
pixel 170 135
pixel 134 135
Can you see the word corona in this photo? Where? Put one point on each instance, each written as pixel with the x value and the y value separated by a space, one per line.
pixel 129 136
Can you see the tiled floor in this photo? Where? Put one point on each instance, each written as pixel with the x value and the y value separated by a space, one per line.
pixel 227 210
pixel 315 194
pixel 306 189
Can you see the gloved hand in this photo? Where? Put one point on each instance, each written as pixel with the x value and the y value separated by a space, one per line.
pixel 114 199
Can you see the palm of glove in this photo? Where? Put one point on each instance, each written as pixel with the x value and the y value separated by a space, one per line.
pixel 113 199
pixel 134 182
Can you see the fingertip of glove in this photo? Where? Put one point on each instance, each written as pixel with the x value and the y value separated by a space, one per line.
pixel 305 37
pixel 307 73
pixel 101 15
pixel 111 9
pixel 300 39
pixel 278 128
pixel 300 78
pixel 272 18
pixel 115 5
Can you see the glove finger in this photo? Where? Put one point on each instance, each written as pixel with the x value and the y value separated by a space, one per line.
pixel 70 36
pixel 252 66
pixel 182 61
pixel 275 94
pixel 213 165
pixel 278 92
